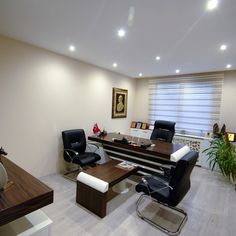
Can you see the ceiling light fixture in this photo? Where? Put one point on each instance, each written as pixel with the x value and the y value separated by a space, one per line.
pixel 228 66
pixel 140 74
pixel 177 71
pixel 212 4
pixel 223 47
pixel 72 48
pixel 121 33
pixel 158 58
pixel 114 64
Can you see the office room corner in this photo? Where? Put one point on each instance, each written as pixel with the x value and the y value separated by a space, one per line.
pixel 117 118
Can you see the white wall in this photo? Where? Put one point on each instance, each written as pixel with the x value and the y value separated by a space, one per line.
pixel 43 93
pixel 228 114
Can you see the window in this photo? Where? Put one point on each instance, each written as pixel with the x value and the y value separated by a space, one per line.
pixel 192 102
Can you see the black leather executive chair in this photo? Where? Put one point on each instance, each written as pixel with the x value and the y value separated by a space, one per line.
pixel 74 148
pixel 168 190
pixel 163 131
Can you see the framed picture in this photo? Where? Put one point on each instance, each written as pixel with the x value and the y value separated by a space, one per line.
pixel 139 124
pixel 133 124
pixel 119 103
pixel 144 126
pixel 231 137
pixel 151 127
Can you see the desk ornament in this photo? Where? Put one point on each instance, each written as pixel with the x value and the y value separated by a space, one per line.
pixel 96 130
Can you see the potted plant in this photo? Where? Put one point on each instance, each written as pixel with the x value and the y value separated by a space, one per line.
pixel 222 153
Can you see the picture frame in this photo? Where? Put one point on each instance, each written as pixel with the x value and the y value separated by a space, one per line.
pixel 144 125
pixel 151 127
pixel 119 103
pixel 133 124
pixel 139 125
pixel 231 137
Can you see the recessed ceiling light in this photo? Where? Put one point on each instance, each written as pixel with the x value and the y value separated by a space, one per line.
pixel 228 66
pixel 158 58
pixel 140 74
pixel 114 64
pixel 223 47
pixel 72 48
pixel 212 4
pixel 121 33
pixel 177 71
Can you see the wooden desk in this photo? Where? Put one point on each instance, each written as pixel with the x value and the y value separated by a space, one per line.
pixel 94 200
pixel 151 157
pixel 25 195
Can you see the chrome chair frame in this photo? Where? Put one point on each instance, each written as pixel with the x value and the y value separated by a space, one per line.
pixel 181 225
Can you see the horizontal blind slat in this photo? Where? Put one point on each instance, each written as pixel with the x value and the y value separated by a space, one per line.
pixel 192 102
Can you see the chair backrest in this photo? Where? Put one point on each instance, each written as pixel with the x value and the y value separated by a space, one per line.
pixel 163 130
pixel 74 139
pixel 180 178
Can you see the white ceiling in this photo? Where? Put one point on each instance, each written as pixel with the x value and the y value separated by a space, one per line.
pixel 182 32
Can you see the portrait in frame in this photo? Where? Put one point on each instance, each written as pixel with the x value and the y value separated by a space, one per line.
pixel 119 103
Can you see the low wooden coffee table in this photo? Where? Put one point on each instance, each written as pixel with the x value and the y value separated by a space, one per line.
pixel 94 200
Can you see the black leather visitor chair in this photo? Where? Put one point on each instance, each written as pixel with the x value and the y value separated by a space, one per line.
pixel 74 149
pixel 168 190
pixel 163 131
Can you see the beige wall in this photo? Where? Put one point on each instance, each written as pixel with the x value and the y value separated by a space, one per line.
pixel 42 93
pixel 228 115
pixel 228 112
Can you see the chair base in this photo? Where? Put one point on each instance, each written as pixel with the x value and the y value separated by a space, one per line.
pixel 155 224
pixel 69 174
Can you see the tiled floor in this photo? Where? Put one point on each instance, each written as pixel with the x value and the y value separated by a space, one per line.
pixel 210 204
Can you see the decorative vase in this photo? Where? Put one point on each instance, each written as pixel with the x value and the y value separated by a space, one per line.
pixel 3 177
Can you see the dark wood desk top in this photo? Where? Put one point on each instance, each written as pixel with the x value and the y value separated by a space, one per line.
pixel 110 173
pixel 26 194
pixel 161 149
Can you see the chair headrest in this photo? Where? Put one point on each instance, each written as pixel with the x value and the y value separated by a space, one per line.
pixel 73 134
pixel 74 139
pixel 163 124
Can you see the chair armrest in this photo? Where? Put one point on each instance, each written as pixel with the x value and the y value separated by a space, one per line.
pixel 69 153
pixel 160 180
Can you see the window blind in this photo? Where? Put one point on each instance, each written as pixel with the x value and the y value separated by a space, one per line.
pixel 192 102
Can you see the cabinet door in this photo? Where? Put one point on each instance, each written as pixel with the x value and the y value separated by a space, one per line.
pixel 134 132
pixel 141 133
pixel 145 134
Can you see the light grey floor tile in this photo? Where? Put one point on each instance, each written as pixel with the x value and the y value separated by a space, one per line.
pixel 210 204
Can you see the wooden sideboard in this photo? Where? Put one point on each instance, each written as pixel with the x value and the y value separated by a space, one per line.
pixel 25 195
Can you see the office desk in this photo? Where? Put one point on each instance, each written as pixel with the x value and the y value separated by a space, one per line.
pixel 150 158
pixel 25 195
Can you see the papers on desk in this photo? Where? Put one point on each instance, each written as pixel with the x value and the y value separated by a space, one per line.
pixel 126 165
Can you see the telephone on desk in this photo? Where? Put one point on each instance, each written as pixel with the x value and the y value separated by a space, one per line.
pixel 123 140
pixel 126 141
